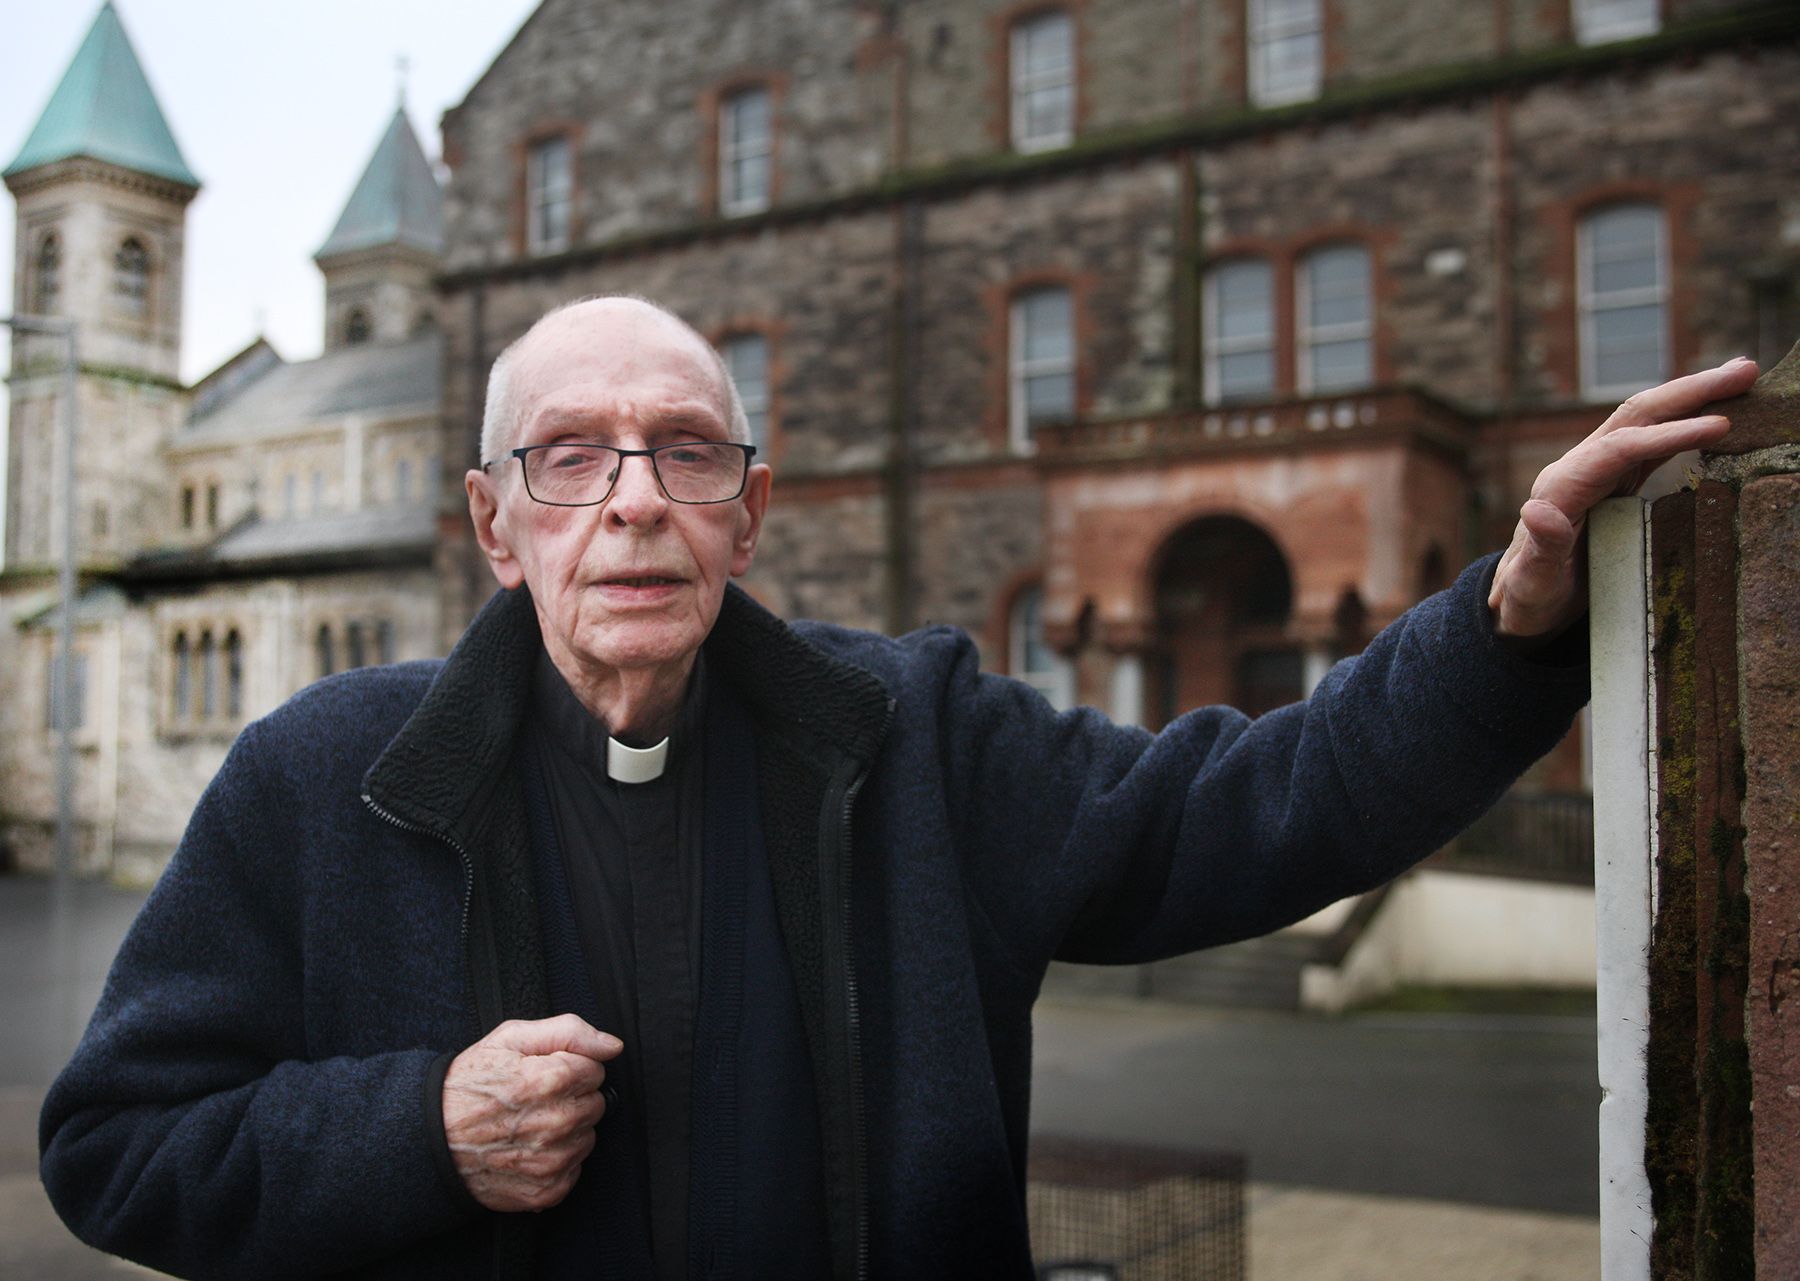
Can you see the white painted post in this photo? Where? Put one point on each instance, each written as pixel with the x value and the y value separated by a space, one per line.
pixel 1128 690
pixel 1624 870
pixel 1314 663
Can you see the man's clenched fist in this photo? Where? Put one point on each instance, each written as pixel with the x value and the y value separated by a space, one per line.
pixel 520 1106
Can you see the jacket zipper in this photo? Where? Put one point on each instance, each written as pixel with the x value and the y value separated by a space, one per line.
pixel 859 1195
pixel 859 1182
pixel 468 892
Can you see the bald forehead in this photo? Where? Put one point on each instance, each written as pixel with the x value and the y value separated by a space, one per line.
pixel 613 321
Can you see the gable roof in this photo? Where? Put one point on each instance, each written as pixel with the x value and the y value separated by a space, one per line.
pixel 105 109
pixel 397 200
pixel 367 378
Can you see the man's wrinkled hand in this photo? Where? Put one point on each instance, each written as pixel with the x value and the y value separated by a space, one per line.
pixel 520 1106
pixel 1540 585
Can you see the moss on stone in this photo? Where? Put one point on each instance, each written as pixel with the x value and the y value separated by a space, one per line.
pixel 1724 1235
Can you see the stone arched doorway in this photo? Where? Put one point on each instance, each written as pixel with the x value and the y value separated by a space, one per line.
pixel 1223 595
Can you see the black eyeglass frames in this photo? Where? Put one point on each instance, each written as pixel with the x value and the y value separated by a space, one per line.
pixel 579 474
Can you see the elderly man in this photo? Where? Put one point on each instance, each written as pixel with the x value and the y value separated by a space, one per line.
pixel 713 939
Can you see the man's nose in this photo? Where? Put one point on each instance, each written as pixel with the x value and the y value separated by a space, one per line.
pixel 637 497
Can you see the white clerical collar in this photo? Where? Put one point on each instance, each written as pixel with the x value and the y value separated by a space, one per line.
pixel 635 764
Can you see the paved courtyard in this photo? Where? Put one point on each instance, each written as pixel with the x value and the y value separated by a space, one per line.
pixel 1379 1149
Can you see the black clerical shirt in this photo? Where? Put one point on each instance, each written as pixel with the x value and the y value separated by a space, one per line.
pixel 631 853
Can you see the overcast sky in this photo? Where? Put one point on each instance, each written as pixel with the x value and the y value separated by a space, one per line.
pixel 277 108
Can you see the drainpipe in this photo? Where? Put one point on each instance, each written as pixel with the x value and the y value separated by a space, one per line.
pixel 899 478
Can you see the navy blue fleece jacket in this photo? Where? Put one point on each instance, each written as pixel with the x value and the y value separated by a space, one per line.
pixel 352 901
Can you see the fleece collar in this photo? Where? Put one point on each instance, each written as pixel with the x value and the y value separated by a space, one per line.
pixel 440 771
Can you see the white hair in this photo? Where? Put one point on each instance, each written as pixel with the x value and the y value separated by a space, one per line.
pixel 499 416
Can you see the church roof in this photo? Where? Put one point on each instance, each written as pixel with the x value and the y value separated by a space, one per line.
pixel 366 378
pixel 397 200
pixel 104 108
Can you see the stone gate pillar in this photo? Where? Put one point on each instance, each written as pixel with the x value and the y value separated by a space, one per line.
pixel 1722 1063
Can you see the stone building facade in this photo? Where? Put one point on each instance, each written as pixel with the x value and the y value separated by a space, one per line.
pixel 1171 347
pixel 236 539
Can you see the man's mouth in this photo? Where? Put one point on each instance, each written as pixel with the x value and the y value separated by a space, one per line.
pixel 647 580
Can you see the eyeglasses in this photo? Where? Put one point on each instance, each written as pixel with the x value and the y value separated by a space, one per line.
pixel 577 474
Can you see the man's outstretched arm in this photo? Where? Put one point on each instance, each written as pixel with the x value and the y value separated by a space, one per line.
pixel 1128 846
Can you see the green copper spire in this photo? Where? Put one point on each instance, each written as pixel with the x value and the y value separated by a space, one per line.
pixel 397 200
pixel 104 109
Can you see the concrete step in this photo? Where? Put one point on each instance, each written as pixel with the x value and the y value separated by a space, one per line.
pixel 1261 973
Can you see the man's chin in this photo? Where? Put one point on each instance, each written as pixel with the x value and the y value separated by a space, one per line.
pixel 641 643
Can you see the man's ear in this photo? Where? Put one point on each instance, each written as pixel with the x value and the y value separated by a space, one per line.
pixel 490 528
pixel 756 503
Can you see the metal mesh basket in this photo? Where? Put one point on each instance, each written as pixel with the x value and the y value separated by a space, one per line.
pixel 1124 1212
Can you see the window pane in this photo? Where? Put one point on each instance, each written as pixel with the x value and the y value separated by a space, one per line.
pixel 1247 373
pixel 184 678
pixel 1046 320
pixel 1340 364
pixel 384 641
pixel 1623 299
pixel 326 658
pixel 548 187
pixel 1043 81
pixel 1243 305
pixel 234 675
pixel 131 279
pixel 747 357
pixel 209 677
pixel 49 276
pixel 1337 286
pixel 1046 45
pixel 1286 50
pixel 1048 111
pixel 1049 398
pixel 744 150
pixel 1628 347
pixel 1597 20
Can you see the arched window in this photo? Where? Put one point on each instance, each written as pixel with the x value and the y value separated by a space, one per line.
pixel 184 678
pixel 353 645
pixel 1239 329
pixel 209 677
pixel 187 506
pixel 384 641
pixel 318 491
pixel 747 357
pixel 131 279
pixel 1337 319
pixel 1042 67
pixel 1042 344
pixel 356 327
pixel 234 674
pixel 549 194
pixel 290 485
pixel 1623 294
pixel 403 480
pixel 326 654
pixel 212 505
pixel 746 151
pixel 1030 658
pixel 47 294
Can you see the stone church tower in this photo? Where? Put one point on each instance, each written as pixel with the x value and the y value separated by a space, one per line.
pixel 379 260
pixel 102 192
